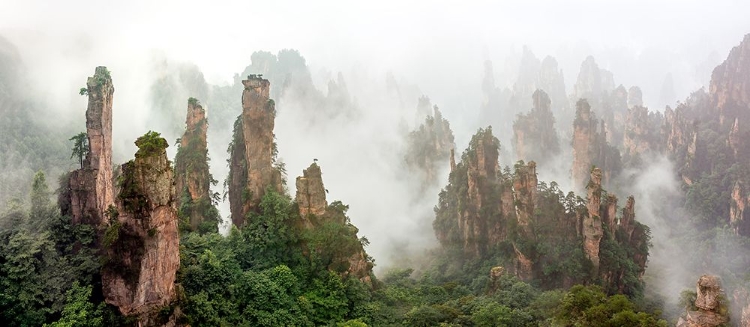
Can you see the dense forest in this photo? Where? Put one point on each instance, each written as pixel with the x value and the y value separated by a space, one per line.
pixel 202 225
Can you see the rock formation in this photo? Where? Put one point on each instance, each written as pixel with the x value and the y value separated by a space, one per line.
pixel 590 147
pixel 524 198
pixel 141 244
pixel 591 226
pixel 730 89
pixel 253 151
pixel 428 148
pixel 738 217
pixel 642 132
pixel 476 177
pixel 534 134
pixel 552 81
pixel 316 213
pixel 192 177
pixel 710 303
pixel 593 84
pixel 311 194
pixel 484 210
pixel 635 97
pixel 90 188
pixel 584 130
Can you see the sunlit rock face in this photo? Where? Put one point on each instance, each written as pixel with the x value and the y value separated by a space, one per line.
pixel 711 303
pixel 534 133
pixel 253 151
pixel 90 188
pixel 141 244
pixel 192 176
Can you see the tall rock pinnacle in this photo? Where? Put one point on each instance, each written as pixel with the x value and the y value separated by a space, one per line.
pixel 192 177
pixel 141 244
pixel 311 194
pixel 90 192
pixel 253 151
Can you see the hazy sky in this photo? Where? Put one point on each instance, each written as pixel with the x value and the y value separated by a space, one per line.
pixel 219 36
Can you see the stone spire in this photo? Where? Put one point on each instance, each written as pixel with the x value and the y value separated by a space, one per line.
pixel 90 188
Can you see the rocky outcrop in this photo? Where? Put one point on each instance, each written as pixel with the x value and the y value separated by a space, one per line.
pixel 311 194
pixel 524 198
pixel 734 139
pixel 730 89
pixel 642 132
pixel 681 140
pixel 584 131
pixel 192 177
pixel 475 180
pixel 90 188
pixel 593 83
pixel 590 147
pixel 534 134
pixel 552 81
pixel 253 151
pixel 317 214
pixel 141 244
pixel 635 97
pixel 710 303
pixel 489 213
pixel 591 227
pixel 428 148
pixel 738 217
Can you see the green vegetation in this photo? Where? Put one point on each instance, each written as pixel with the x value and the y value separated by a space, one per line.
pixel 102 76
pixel 42 257
pixel 150 144
pixel 83 91
pixel 193 102
pixel 80 146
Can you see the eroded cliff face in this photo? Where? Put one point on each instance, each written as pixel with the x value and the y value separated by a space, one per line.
pixel 141 244
pixel 317 214
pixel 192 177
pixel 253 151
pixel 90 192
pixel 711 304
pixel 729 88
pixel 534 133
